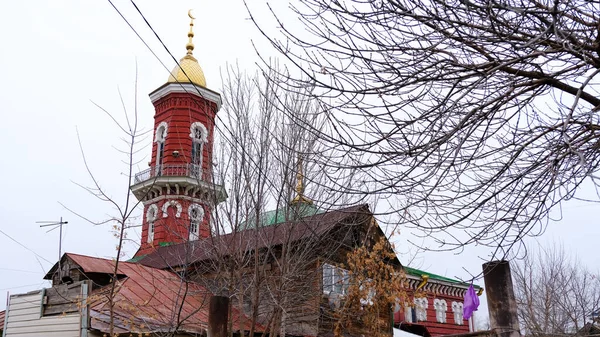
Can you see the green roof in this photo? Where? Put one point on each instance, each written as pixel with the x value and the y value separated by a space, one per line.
pixel 136 258
pixel 282 215
pixel 418 272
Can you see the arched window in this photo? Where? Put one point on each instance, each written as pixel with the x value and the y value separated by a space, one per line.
pixel 199 136
pixel 159 138
pixel 196 214
pixel 457 309
pixel 168 204
pixel 151 215
pixel 421 304
pixel 440 307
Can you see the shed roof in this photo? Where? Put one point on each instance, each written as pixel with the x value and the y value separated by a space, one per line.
pixel 315 226
pixel 148 300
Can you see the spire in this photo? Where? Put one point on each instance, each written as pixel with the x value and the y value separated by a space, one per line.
pixel 190 45
pixel 188 70
pixel 300 198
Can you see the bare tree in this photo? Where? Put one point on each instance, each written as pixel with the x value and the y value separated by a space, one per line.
pixel 475 117
pixel 555 293
pixel 123 312
pixel 265 158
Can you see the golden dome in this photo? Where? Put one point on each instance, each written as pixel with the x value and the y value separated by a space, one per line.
pixel 188 69
pixel 189 66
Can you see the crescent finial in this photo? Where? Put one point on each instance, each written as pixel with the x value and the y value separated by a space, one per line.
pixel 190 44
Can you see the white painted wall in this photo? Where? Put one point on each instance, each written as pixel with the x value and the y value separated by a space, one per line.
pixel 23 318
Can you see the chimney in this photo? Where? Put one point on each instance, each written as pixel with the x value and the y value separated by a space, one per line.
pixel 502 306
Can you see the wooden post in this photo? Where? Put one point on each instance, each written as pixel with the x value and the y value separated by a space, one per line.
pixel 502 305
pixel 217 316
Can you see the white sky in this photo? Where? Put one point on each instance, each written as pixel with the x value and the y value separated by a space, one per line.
pixel 56 57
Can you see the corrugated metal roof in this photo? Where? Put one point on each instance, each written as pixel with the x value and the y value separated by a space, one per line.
pixel 309 227
pixel 418 272
pixel 86 263
pixel 148 300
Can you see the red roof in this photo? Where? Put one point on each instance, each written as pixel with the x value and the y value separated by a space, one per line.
pixel 149 300
pixel 314 227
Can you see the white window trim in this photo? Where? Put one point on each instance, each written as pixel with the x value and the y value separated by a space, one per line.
pixel 195 221
pixel 203 131
pixel 421 304
pixel 339 278
pixel 457 309
pixel 440 307
pixel 408 309
pixel 170 203
pixel 158 137
pixel 151 216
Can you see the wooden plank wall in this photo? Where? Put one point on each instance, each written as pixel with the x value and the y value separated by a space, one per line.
pixel 24 318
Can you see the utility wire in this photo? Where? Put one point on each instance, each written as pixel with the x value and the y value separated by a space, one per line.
pixel 22 245
pixel 216 125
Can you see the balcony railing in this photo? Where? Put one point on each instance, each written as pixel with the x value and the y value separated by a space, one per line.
pixel 185 170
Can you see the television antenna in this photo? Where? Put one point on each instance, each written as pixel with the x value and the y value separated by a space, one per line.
pixel 56 224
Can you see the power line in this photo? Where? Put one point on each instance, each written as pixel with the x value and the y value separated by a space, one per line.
pixel 21 270
pixel 22 245
pixel 217 126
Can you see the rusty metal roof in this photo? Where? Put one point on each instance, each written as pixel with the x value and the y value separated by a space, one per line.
pixel 148 300
pixel 2 316
pixel 315 226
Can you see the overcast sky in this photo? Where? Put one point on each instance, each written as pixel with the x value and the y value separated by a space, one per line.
pixel 57 57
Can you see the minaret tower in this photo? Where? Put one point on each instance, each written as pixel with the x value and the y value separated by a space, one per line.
pixel 177 190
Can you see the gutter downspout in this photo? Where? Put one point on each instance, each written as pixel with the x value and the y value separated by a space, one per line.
pixel 425 279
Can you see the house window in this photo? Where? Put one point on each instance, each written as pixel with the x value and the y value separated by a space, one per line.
pixel 409 314
pixel 199 136
pixel 151 214
pixel 421 304
pixel 196 159
pixel 440 307
pixel 159 138
pixel 196 215
pixel 335 280
pixel 457 309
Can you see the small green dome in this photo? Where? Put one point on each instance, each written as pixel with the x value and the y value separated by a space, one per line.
pixel 281 215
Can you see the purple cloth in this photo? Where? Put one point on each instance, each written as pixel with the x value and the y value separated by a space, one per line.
pixel 471 303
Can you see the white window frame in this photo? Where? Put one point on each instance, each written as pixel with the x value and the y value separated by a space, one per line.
pixel 457 309
pixel 335 279
pixel 160 136
pixel 440 307
pixel 408 313
pixel 151 216
pixel 421 304
pixel 199 135
pixel 195 221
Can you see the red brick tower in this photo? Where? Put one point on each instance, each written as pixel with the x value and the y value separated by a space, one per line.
pixel 177 190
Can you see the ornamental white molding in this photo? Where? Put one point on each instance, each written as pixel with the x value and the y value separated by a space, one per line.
pixel 421 304
pixel 170 203
pixel 198 126
pixel 457 309
pixel 440 307
pixel 152 213
pixel 159 136
pixel 199 210
pixel 186 88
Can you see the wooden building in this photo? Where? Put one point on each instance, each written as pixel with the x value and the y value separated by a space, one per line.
pixel 286 274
